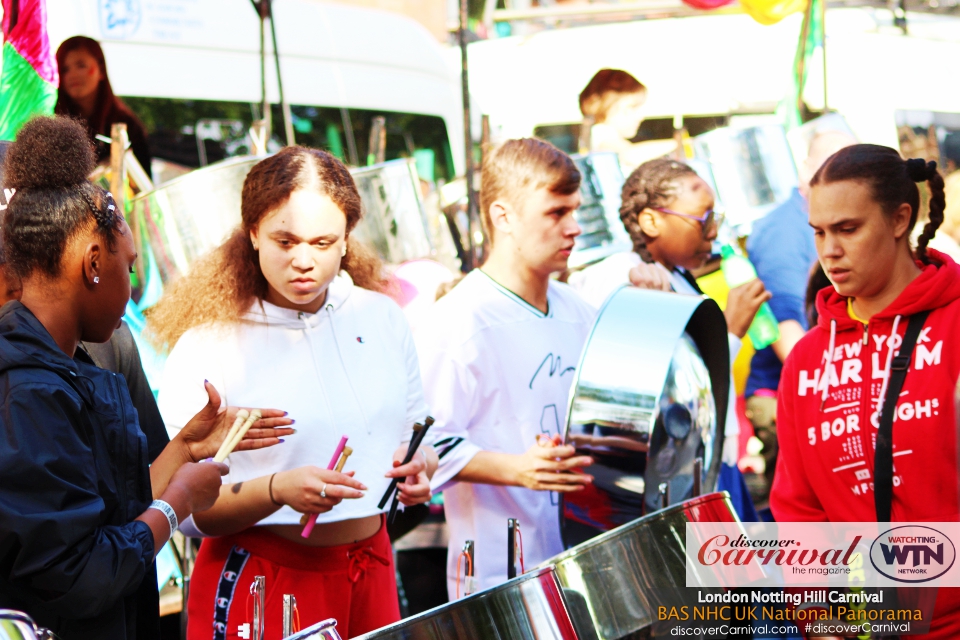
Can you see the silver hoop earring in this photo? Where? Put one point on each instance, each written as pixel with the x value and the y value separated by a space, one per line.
pixel 96 279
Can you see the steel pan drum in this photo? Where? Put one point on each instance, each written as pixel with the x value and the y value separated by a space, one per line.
pixel 394 221
pixel 326 630
pixel 602 232
pixel 187 217
pixel 752 167
pixel 15 625
pixel 650 397
pixel 622 576
pixel 191 215
pixel 530 607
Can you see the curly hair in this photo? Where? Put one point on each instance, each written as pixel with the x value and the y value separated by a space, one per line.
pixel 652 184
pixel 223 285
pixel 47 166
pixel 892 182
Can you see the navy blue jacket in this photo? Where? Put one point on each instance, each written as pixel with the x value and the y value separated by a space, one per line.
pixel 73 478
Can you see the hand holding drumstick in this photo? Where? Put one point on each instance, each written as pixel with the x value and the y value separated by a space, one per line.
pixel 204 435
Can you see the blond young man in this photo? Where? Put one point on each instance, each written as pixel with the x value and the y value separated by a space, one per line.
pixel 497 358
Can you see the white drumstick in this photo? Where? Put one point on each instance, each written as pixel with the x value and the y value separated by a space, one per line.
pixel 242 415
pixel 254 416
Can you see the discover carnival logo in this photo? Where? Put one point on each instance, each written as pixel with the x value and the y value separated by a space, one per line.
pixel 822 554
pixel 913 553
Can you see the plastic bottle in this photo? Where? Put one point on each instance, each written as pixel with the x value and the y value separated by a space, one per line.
pixel 738 270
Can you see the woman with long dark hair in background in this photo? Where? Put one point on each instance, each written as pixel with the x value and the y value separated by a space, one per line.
pixel 85 93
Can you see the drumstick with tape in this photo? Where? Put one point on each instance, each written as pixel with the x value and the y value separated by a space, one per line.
pixel 312 520
pixel 419 431
pixel 414 445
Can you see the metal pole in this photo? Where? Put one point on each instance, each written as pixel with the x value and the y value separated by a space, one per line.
pixel 264 105
pixel 511 548
pixel 467 136
pixel 289 606
pixel 823 45
pixel 258 590
pixel 284 105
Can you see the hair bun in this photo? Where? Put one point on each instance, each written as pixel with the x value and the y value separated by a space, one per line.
pixel 49 152
pixel 920 170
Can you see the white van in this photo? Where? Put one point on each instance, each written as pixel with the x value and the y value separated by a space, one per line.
pixel 190 69
pixel 712 68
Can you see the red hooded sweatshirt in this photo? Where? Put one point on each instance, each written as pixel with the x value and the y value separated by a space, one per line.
pixel 827 432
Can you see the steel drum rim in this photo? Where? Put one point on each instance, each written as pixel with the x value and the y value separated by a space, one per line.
pixel 329 623
pixel 227 163
pixel 13 614
pixel 536 572
pixel 628 528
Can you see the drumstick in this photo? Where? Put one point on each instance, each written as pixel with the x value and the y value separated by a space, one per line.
pixel 347 451
pixel 418 431
pixel 418 437
pixel 242 415
pixel 238 436
pixel 312 520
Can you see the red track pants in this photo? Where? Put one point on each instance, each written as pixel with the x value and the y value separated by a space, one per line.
pixel 354 583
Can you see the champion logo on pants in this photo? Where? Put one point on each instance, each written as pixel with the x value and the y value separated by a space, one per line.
pixel 232 568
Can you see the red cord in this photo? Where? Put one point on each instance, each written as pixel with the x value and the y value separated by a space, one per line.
pixel 520 548
pixel 296 618
pixel 463 554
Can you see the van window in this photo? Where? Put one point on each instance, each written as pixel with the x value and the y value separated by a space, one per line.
pixel 194 133
pixel 566 136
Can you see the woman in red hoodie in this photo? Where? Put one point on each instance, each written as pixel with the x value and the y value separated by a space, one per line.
pixel 863 206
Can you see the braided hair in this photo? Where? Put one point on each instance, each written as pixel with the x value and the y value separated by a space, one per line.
pixel 652 184
pixel 48 165
pixel 892 182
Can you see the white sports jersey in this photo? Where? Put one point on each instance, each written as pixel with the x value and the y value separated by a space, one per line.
pixel 497 373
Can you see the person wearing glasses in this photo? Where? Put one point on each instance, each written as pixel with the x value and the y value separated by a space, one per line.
pixel 668 211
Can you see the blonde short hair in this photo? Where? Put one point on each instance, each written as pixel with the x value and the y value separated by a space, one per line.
pixel 604 89
pixel 522 164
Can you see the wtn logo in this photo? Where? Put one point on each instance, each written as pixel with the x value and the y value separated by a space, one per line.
pixel 912 553
pixel 897 554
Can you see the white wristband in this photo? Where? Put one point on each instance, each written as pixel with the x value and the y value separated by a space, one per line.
pixel 168 511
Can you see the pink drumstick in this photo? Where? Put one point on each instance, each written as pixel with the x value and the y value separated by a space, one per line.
pixel 312 520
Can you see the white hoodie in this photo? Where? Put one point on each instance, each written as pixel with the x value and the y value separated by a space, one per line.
pixel 350 369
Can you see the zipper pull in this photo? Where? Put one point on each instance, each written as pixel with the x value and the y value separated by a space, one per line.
pixel 866 334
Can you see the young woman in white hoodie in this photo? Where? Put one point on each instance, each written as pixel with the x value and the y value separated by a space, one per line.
pixel 288 310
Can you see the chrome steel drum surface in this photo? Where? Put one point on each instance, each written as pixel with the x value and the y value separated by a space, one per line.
pixel 602 232
pixel 650 396
pixel 191 215
pixel 15 625
pixel 394 221
pixel 187 217
pixel 326 630
pixel 529 607
pixel 620 577
pixel 752 167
